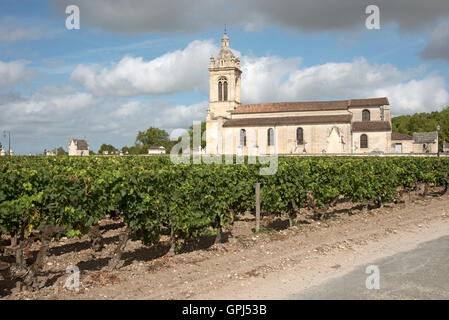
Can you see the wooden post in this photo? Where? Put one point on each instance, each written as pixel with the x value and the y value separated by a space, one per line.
pixel 257 185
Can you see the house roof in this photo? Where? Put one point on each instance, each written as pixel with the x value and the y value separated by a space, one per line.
pixel 156 147
pixel 400 136
pixel 361 126
pixel 425 137
pixel 81 144
pixel 309 106
pixel 275 121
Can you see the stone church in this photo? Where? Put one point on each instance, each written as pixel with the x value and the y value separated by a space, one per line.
pixel 315 127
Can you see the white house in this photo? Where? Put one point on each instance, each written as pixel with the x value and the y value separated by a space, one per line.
pixel 157 150
pixel 2 152
pixel 50 152
pixel 78 147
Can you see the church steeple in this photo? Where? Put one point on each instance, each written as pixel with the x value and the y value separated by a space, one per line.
pixel 225 41
pixel 225 78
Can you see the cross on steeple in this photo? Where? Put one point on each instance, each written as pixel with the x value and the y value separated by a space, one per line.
pixel 225 29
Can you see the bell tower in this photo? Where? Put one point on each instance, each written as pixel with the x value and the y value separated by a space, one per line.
pixel 224 82
pixel 224 94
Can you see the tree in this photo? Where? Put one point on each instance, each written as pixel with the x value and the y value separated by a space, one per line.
pixel 152 137
pixel 107 147
pixel 424 122
pixel 60 151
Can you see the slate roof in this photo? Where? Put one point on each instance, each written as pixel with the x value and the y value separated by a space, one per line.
pixel 400 136
pixel 309 106
pixel 276 121
pixel 81 144
pixel 363 126
pixel 425 137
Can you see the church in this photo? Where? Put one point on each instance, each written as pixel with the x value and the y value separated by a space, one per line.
pixel 353 126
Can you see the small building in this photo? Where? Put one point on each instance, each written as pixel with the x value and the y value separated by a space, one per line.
pixel 420 142
pixel 425 142
pixel 401 143
pixel 156 150
pixel 445 147
pixel 50 152
pixel 2 152
pixel 78 147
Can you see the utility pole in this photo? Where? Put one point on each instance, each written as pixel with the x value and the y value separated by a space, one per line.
pixel 9 140
pixel 438 140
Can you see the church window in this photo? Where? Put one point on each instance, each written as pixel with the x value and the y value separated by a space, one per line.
pixel 225 91
pixel 222 89
pixel 365 115
pixel 299 136
pixel 243 137
pixel 363 141
pixel 270 137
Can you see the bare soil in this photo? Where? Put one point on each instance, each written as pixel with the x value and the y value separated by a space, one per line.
pixel 271 264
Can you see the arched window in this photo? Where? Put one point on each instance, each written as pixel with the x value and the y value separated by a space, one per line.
pixel 243 137
pixel 222 89
pixel 225 91
pixel 365 115
pixel 270 137
pixel 299 136
pixel 363 141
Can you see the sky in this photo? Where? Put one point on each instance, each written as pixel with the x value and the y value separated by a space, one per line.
pixel 140 63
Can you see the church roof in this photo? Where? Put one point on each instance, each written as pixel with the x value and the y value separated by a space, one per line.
pixel 275 121
pixel 400 136
pixel 364 126
pixel 309 105
pixel 225 54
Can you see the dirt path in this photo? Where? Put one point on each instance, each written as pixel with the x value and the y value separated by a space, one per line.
pixel 268 265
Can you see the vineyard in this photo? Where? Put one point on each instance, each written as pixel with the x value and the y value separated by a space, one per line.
pixel 43 198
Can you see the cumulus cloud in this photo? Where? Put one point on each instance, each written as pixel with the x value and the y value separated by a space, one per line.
pixel 265 79
pixel 276 79
pixel 438 46
pixel 306 16
pixel 14 72
pixel 181 70
pixel 51 116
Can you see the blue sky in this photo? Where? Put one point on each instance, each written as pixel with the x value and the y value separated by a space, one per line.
pixel 136 64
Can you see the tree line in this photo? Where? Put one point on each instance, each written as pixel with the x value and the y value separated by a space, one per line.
pixel 424 122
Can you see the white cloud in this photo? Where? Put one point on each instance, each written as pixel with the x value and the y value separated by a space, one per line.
pixel 51 116
pixel 14 72
pixel 425 95
pixel 177 71
pixel 264 79
pixel 182 116
pixel 128 109
pixel 271 79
